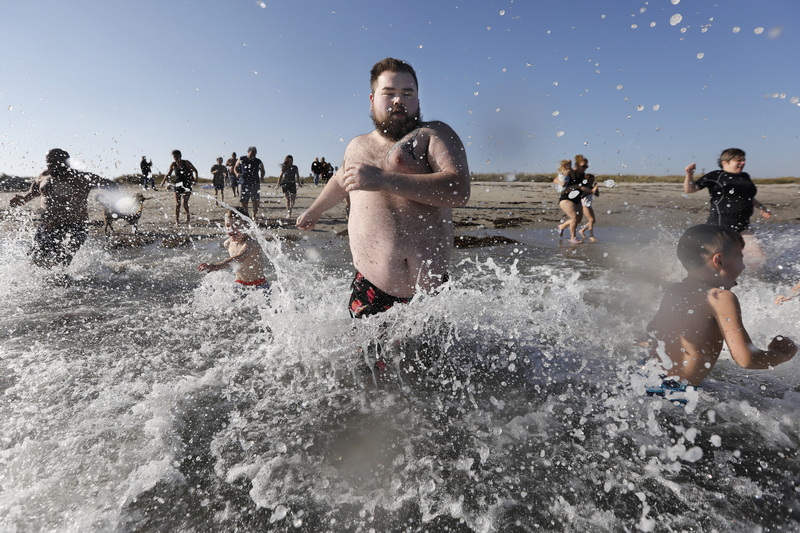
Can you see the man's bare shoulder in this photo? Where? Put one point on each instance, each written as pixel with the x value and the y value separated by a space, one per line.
pixel 438 127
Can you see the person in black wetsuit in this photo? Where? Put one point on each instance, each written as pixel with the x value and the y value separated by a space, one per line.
pixel 732 198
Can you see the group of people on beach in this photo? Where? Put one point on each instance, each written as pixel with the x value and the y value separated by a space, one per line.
pixel 321 170
pixel 243 174
pixel 402 181
pixel 577 190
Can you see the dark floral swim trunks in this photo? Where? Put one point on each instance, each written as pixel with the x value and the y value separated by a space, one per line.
pixel 367 299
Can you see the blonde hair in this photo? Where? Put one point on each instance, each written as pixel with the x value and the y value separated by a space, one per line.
pixel 566 164
pixel 580 160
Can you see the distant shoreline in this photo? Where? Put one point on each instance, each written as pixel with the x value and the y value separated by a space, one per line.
pixel 493 207
pixel 17 183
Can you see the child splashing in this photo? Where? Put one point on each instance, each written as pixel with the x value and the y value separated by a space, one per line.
pixel 246 255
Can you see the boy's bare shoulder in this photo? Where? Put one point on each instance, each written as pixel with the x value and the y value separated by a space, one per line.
pixel 722 299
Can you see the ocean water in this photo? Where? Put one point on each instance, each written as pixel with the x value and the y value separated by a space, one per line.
pixel 142 395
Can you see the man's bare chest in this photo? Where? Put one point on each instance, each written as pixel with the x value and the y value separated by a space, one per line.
pixel 410 154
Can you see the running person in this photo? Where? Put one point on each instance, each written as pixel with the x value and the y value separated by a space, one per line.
pixel 185 177
pixel 250 171
pixel 732 198
pixel 288 182
pixel 403 179
pixel 62 226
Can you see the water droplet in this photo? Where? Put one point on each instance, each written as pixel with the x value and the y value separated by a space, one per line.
pixel 675 19
pixel 701 55
pixel 559 134
pixel 758 31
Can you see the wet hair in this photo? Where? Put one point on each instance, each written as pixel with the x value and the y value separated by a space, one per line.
pixel 700 242
pixel 252 149
pixel 580 160
pixel 57 156
pixel 287 162
pixel 176 153
pixel 390 64
pixel 566 164
pixel 729 154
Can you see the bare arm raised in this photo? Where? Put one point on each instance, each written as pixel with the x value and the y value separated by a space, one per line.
pixel 689 186
pixel 22 199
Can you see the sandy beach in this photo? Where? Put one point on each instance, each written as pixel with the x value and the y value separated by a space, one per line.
pixel 492 206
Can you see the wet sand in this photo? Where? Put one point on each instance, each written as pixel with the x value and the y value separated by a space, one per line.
pixel 493 206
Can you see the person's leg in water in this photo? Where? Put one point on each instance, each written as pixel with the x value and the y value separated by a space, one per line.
pixel 186 205
pixel 588 212
pixel 177 208
pixel 573 213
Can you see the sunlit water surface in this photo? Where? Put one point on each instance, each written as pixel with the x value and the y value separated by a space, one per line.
pixel 143 395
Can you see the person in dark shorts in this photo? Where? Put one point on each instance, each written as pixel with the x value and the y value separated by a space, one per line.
pixel 288 182
pixel 62 226
pixel 250 171
pixel 185 176
pixel 234 180
pixel 147 174
pixel 219 173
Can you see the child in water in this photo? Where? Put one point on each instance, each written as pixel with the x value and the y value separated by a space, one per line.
pixel 700 312
pixel 246 256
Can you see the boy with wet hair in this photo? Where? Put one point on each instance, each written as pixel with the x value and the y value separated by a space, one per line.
pixel 700 312
pixel 246 255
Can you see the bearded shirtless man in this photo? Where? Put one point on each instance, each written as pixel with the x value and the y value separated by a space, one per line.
pixel 403 180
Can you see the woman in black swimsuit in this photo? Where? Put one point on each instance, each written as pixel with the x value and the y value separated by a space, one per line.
pixel 570 199
pixel 288 181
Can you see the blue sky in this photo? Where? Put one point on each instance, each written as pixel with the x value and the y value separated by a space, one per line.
pixel 524 83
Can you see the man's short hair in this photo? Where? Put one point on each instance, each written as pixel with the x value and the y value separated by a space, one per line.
pixel 252 149
pixel 176 153
pixel 57 156
pixel 700 242
pixel 390 64
pixel 729 154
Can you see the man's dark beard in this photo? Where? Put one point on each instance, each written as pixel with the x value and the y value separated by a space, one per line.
pixel 396 129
